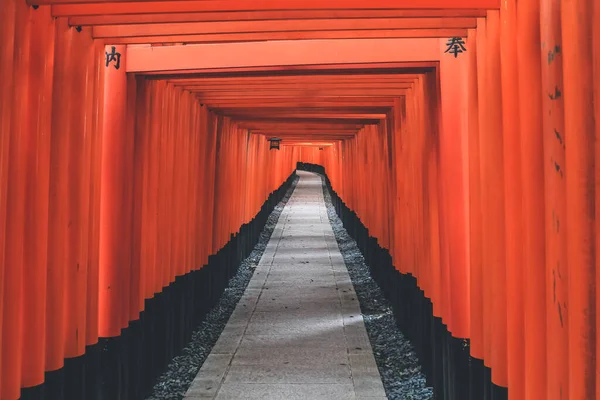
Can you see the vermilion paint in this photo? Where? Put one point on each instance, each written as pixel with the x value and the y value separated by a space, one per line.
pixel 480 344
pixel 16 200
pixel 532 190
pixel 41 68
pixel 6 93
pixel 515 267
pixel 493 211
pixel 557 297
pixel 113 282
pixel 453 143
pixel 580 195
pixel 477 173
pixel 475 225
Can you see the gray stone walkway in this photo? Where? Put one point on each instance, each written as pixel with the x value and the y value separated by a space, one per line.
pixel 297 333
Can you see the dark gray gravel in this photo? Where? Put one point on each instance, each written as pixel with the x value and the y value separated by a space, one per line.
pixel 396 359
pixel 182 370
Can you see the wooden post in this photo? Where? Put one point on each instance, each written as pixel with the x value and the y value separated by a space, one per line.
pixel 17 197
pixel 554 143
pixel 113 210
pixel 528 54
pixel 513 207
pixel 7 29
pixel 37 144
pixel 453 146
pixel 492 178
pixel 580 195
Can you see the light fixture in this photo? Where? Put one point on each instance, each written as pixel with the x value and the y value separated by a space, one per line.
pixel 274 143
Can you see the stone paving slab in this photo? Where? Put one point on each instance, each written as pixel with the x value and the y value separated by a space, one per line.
pixel 297 333
pixel 319 374
pixel 286 391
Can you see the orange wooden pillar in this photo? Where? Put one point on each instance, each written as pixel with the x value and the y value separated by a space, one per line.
pixel 19 156
pixel 175 208
pixel 95 81
pixel 596 72
pixel 7 28
pixel 477 39
pixel 161 132
pixel 37 145
pixel 557 314
pixel 172 212
pixel 492 183
pixel 430 175
pixel 204 240
pixel 513 204
pixel 398 141
pixel 134 302
pixel 218 184
pixel 480 298
pixel 453 146
pixel 188 194
pixel 167 173
pixel 153 193
pixel 59 204
pixel 433 176
pixel 139 260
pixel 113 209
pixel 532 190
pixel 210 165
pixel 580 195
pixel 78 132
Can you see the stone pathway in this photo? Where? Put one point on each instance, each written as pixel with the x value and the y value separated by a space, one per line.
pixel 297 333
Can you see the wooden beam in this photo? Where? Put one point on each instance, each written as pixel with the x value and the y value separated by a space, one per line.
pixel 299 94
pixel 219 101
pixel 331 119
pixel 309 126
pixel 304 143
pixel 316 115
pixel 399 67
pixel 65 8
pixel 319 104
pixel 292 140
pixel 305 139
pixel 281 112
pixel 289 53
pixel 295 120
pixel 345 79
pixel 230 27
pixel 282 87
pixel 266 108
pixel 304 136
pixel 253 124
pixel 294 35
pixel 123 19
pixel 299 128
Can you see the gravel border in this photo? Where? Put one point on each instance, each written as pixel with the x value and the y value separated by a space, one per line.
pixel 395 356
pixel 175 381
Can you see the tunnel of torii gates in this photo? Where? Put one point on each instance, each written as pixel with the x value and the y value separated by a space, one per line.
pixel 135 170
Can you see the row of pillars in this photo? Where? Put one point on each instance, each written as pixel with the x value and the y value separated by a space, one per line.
pixel 111 186
pixel 482 184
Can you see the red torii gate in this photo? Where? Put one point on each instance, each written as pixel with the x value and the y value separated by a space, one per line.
pixel 495 150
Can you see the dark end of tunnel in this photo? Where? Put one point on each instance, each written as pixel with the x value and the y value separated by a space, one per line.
pixel 445 360
pixel 126 367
